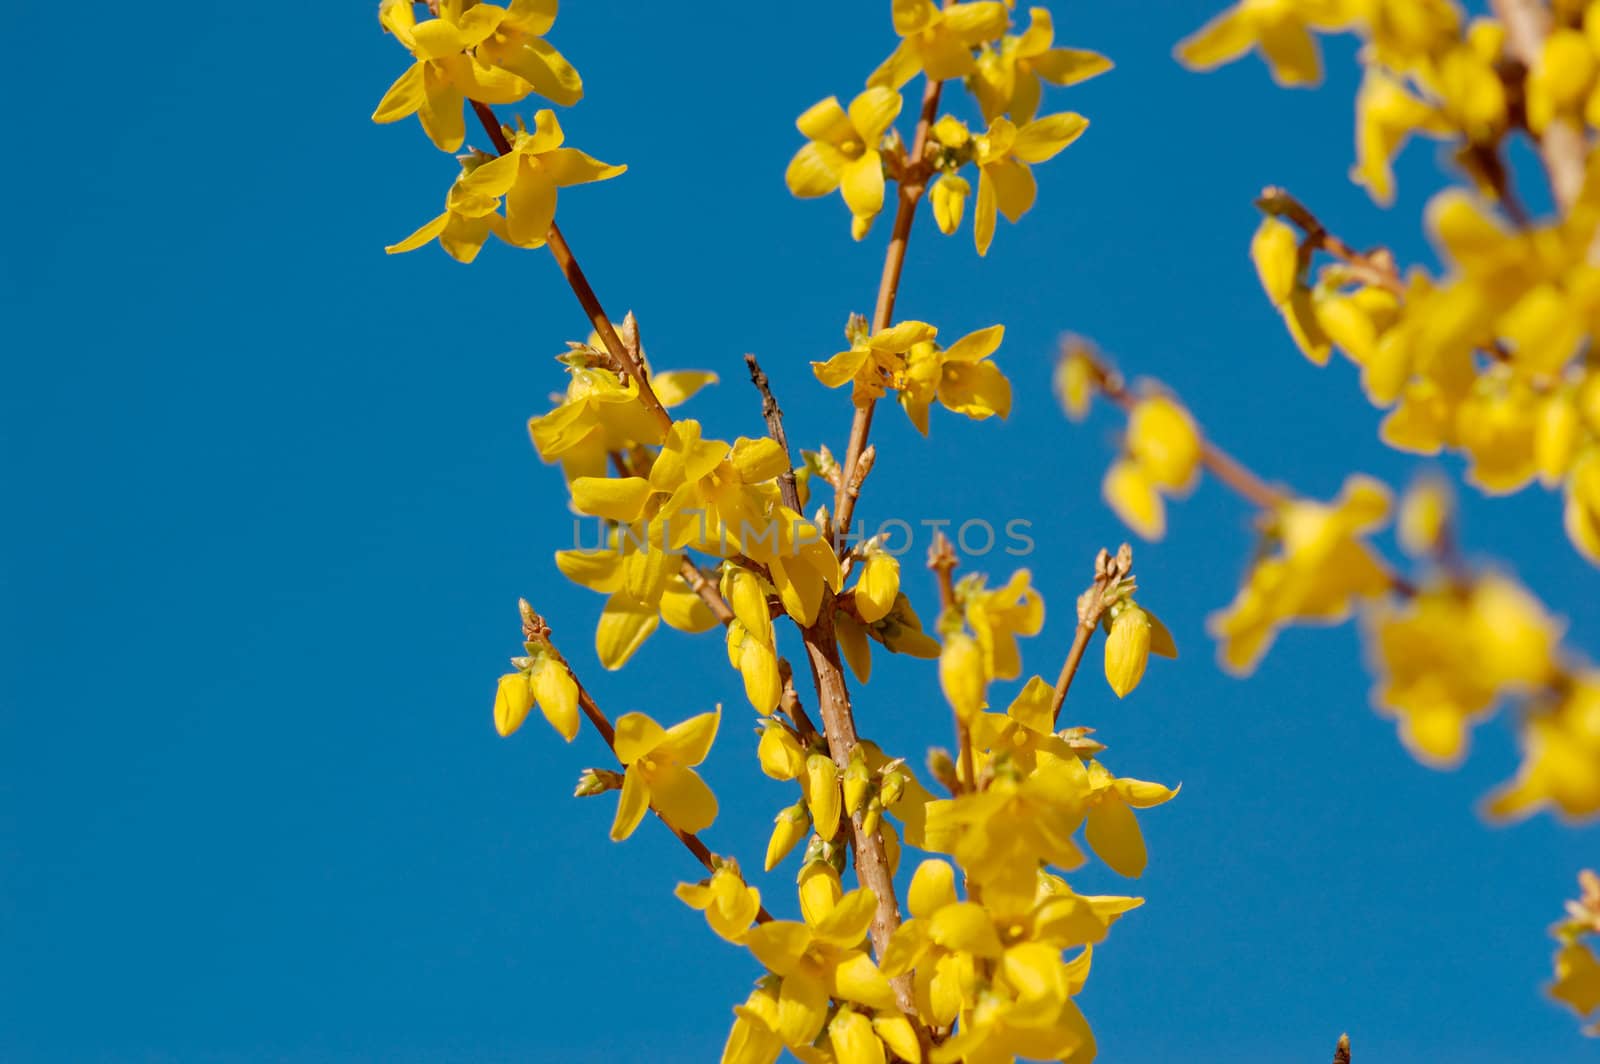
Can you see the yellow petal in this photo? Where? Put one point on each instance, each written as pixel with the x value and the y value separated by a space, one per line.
pixel 690 741
pixel 1222 40
pixel 636 736
pixel 624 625
pixel 633 804
pixel 1275 249
pixel 613 498
pixel 513 699
pixel 1113 833
pixel 1131 495
pixel 682 798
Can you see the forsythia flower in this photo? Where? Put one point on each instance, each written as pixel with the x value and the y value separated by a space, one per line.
pixel 529 175
pixel 938 41
pixel 873 363
pixel 646 587
pixel 997 617
pixel 842 152
pixel 752 646
pixel 1007 78
pixel 1577 969
pixel 1320 566
pixel 1111 830
pixel 1132 635
pixel 730 906
pixel 1003 155
pixel 468 220
pixel 517 45
pixel 660 772
pixel 878 586
pixel 1560 757
pixel 815 960
pixel 1447 654
pixel 1279 29
pixel 445 73
pixel 960 377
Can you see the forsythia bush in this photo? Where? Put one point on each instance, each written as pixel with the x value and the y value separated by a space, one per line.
pixel 981 957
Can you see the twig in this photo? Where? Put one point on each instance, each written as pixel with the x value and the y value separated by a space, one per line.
pixel 1341 1053
pixel 1373 267
pixel 912 185
pixel 774 418
pixel 534 627
pixel 581 288
pixel 1110 571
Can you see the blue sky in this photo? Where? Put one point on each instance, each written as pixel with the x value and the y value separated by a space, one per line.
pixel 272 504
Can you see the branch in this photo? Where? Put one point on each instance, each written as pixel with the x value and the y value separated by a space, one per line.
pixel 581 288
pixel 1341 1053
pixel 1375 267
pixel 534 628
pixel 912 184
pixel 1109 573
pixel 774 417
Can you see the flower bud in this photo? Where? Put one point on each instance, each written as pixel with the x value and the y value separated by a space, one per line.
pixel 593 781
pixel 557 694
pixel 1425 512
pixel 949 199
pixel 961 675
pixel 820 890
pixel 857 782
pixel 1127 649
pixel 892 788
pixel 789 827
pixel 1275 250
pixel 781 755
pixel 822 793
pixel 873 816
pixel 1075 384
pixel 512 701
pixel 878 586
pixel 942 767
pixel 1556 438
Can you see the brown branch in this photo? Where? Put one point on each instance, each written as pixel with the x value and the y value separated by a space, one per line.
pixel 1229 470
pixel 1341 1052
pixel 581 288
pixel 774 418
pixel 1110 573
pixel 1562 145
pixel 534 628
pixel 912 185
pixel 1375 267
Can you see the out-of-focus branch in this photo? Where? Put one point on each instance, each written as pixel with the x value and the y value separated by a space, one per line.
pixel 1562 145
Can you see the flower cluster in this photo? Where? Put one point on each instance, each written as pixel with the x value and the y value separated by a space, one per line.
pixel 1577 969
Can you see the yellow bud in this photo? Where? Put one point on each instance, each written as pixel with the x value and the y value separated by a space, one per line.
pixel 872 817
pixel 557 694
pixel 1565 68
pixel 1164 441
pixel 951 132
pixel 748 600
pixel 512 701
pixel 1425 513
pixel 1384 375
pixel 878 586
pixel 1556 439
pixel 820 890
pixel 789 828
pixel 948 195
pixel 961 675
pixel 1075 384
pixel 857 783
pixel 851 1035
pixel 1300 315
pixel 822 793
pixel 1275 250
pixel 898 1034
pixel 1127 650
pixel 893 788
pixel 758 665
pixel 1348 326
pixel 781 755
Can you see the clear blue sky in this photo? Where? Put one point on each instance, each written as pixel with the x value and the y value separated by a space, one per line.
pixel 270 503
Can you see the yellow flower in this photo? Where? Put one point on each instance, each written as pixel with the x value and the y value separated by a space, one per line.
pixel 1003 155
pixel 948 197
pixel 1112 830
pixel 1426 511
pixel 1582 513
pixel 445 73
pixel 646 587
pixel 730 906
pixel 938 41
pixel 997 617
pixel 545 681
pixel 821 786
pixel 1279 29
pixel 1320 567
pixel 1025 732
pixel 820 958
pixel 1577 982
pixel 1076 380
pixel 1132 635
pixel 660 772
pixel 1387 114
pixel 601 413
pixel 874 362
pixel 1133 497
pixel 1560 757
pixel 752 646
pixel 517 45
pixel 463 228
pixel 1007 79
pixel 790 827
pixel 1449 653
pixel 960 377
pixel 842 152
pixel 529 175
